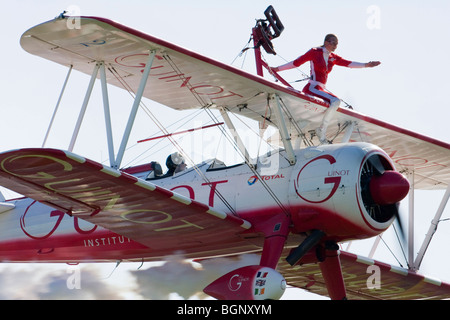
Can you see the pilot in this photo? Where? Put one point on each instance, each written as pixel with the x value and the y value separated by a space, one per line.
pixel 156 171
pixel 175 163
pixel 322 60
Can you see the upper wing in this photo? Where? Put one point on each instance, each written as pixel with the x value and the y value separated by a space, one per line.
pixel 182 79
pixel 179 78
pixel 153 216
pixel 368 279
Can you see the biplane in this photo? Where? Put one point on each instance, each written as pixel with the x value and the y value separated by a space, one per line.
pixel 293 206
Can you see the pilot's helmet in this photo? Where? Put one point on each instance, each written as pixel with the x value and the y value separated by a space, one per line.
pixel 174 160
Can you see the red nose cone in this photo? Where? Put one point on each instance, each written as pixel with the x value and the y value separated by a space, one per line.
pixel 389 188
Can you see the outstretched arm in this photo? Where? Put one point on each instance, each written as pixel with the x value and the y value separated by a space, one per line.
pixel 287 66
pixel 370 64
pixel 296 63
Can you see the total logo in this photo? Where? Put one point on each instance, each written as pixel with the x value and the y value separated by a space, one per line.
pixel 253 179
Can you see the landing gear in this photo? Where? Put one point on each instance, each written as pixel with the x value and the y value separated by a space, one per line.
pixel 332 273
pixel 327 255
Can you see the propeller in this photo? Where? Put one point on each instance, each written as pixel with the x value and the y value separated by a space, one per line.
pixel 382 189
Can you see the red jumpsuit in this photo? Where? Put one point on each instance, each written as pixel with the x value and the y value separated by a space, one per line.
pixel 322 62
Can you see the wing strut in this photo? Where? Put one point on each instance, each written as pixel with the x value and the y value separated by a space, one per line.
pixel 57 105
pixel 107 113
pixel 100 67
pixel 137 102
pixel 240 144
pixel 410 260
pixel 432 229
pixel 84 107
pixel 284 131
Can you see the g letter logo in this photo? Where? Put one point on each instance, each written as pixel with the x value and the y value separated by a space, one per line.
pixel 306 178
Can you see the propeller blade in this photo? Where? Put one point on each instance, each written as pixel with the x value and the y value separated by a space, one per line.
pixel 400 225
pixel 377 165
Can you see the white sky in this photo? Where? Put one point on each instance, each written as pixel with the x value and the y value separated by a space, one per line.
pixel 409 89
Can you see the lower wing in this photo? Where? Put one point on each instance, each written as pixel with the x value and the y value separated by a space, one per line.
pixel 153 216
pixel 367 279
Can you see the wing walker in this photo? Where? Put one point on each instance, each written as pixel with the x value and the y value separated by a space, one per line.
pixel 294 206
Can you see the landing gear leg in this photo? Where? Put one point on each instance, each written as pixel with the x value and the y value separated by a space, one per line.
pixel 332 272
pixel 274 242
pixel 327 254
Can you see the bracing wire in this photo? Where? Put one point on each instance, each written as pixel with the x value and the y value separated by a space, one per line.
pixel 295 124
pixel 206 107
pixel 185 120
pixel 171 139
pixel 401 244
pixel 243 51
pixel 392 253
pixel 257 174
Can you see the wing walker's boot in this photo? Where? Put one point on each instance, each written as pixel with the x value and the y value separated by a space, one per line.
pixel 329 114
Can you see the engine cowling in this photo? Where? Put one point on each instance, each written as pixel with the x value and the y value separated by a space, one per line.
pixel 248 283
pixel 351 191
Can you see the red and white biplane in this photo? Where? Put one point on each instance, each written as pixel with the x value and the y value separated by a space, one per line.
pixel 293 206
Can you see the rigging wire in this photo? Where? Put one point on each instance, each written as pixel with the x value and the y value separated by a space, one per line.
pixel 341 128
pixel 233 143
pixel 262 129
pixel 401 244
pixel 257 174
pixel 244 50
pixel 206 107
pixel 57 105
pixel 128 88
pixel 295 124
pixel 172 140
pixel 261 138
pixel 186 119
pixel 392 253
